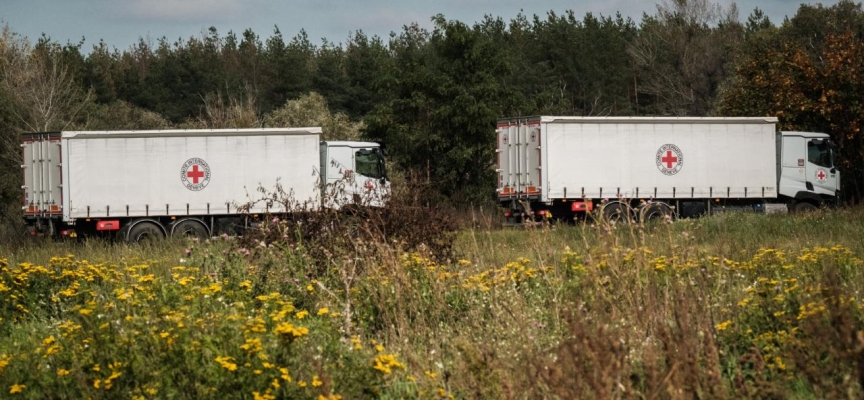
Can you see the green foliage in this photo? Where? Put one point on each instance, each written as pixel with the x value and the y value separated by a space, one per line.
pixel 739 305
pixel 311 110
pixel 808 73
pixel 683 54
pixel 440 118
pixel 120 115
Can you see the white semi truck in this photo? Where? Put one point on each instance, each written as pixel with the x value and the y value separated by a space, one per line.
pixel 639 168
pixel 146 184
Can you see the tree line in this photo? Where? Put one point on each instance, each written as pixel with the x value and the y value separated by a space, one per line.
pixel 432 96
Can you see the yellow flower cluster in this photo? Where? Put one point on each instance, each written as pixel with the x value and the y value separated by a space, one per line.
pixel 781 295
pixel 157 312
pixel 385 362
pixel 512 273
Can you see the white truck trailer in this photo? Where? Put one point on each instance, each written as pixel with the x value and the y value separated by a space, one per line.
pixel 639 168
pixel 145 184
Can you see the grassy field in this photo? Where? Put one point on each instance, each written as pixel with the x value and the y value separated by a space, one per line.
pixel 732 306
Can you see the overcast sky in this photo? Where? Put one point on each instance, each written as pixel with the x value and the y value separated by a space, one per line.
pixel 120 23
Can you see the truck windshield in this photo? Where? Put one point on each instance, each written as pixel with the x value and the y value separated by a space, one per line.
pixel 370 163
pixel 819 153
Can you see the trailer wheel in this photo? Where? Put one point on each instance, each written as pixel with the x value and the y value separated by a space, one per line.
pixel 190 228
pixel 144 232
pixel 655 211
pixel 617 213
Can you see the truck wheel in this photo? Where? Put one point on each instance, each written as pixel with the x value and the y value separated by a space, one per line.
pixel 803 207
pixel 190 228
pixel 655 211
pixel 617 213
pixel 144 232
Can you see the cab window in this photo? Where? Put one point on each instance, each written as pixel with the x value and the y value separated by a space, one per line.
pixel 368 164
pixel 819 153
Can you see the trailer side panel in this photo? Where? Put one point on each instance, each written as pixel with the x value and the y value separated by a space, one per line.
pixel 644 158
pixel 160 173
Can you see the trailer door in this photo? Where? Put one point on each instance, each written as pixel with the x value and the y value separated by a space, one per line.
pixel 41 168
pixel 531 167
pixel 506 158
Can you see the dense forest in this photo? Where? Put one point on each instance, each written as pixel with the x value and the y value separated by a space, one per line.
pixel 432 97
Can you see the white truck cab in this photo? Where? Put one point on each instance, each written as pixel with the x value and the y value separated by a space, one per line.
pixel 353 173
pixel 806 167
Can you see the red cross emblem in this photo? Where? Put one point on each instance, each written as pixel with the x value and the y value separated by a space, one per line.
pixel 504 138
pixel 195 174
pixel 821 176
pixel 669 159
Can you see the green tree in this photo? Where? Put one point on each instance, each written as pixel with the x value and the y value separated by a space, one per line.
pixel 311 110
pixel 288 68
pixel 367 65
pixel 684 53
pixel 446 95
pixel 809 85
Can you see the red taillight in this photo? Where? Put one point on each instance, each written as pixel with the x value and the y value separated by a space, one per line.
pixel 507 214
pixel 64 233
pixel 581 206
pixel 541 212
pixel 108 225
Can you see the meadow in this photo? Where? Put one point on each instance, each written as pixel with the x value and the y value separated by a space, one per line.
pixel 729 306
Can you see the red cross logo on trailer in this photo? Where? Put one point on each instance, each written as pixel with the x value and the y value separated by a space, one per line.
pixel 669 159
pixel 821 176
pixel 195 174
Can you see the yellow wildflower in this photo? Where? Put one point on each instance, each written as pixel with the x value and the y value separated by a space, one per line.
pixel 285 376
pixel 265 396
pixel 227 363
pixel 286 328
pixel 386 362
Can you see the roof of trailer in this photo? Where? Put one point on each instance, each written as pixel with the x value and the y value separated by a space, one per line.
pixel 642 120
pixel 196 132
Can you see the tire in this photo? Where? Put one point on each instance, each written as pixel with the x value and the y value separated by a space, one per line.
pixel 655 211
pixel 804 207
pixel 144 232
pixel 191 228
pixel 617 213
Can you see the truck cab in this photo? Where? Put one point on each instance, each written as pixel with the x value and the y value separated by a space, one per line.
pixel 807 173
pixel 353 173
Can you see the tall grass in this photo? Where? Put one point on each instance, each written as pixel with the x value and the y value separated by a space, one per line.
pixel 738 305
